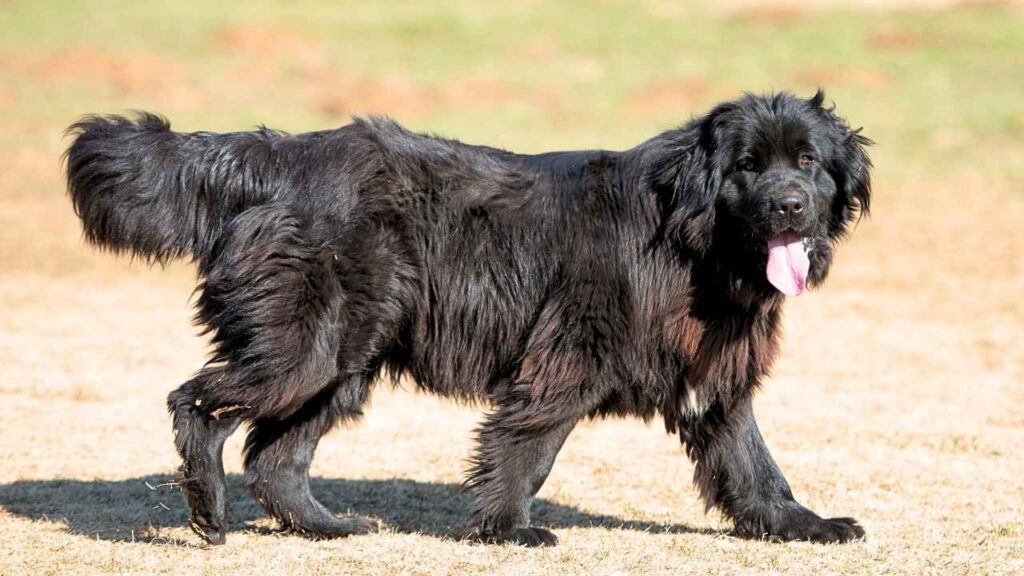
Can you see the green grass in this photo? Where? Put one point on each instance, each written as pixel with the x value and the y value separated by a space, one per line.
pixel 959 72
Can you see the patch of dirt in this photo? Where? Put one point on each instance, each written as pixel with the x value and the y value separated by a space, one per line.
pixel 676 95
pixel 584 67
pixel 545 48
pixel 345 95
pixel 893 40
pixel 479 92
pixel 7 96
pixel 488 92
pixel 271 41
pixel 897 40
pixel 775 15
pixel 539 48
pixel 990 4
pixel 133 74
pixel 739 6
pixel 827 76
pixel 129 72
pixel 264 49
pixel 337 93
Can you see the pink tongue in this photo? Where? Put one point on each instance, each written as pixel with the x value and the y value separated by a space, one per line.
pixel 788 264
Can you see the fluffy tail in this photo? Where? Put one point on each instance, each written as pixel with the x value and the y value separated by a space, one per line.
pixel 140 188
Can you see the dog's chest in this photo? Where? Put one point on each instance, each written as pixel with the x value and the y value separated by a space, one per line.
pixel 724 351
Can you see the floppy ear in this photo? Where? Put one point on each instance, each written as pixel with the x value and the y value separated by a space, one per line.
pixel 850 168
pixel 852 172
pixel 687 174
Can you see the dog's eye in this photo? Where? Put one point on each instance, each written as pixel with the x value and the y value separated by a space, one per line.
pixel 806 160
pixel 746 165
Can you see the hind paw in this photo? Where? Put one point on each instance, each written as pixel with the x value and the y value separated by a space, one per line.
pixel 530 537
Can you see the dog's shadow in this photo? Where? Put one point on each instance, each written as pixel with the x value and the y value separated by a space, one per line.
pixel 129 510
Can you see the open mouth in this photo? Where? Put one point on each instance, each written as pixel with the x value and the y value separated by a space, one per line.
pixel 788 263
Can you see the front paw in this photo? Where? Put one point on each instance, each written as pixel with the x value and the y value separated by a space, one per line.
pixel 530 537
pixel 794 522
pixel 329 526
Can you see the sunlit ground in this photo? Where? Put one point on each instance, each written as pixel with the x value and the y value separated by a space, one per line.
pixel 899 397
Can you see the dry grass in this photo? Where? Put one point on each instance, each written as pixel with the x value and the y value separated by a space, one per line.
pixel 899 398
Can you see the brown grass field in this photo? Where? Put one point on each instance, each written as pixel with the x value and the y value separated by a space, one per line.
pixel 898 399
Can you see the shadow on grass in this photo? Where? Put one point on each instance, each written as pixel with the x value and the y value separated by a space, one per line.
pixel 130 510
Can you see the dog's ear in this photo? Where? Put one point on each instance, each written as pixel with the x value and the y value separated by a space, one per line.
pixel 686 173
pixel 850 168
pixel 851 171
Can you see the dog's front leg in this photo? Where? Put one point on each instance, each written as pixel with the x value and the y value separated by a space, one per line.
pixel 736 473
pixel 511 464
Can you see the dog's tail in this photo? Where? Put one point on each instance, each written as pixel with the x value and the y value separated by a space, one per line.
pixel 140 188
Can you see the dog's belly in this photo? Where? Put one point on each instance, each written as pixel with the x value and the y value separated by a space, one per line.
pixel 465 348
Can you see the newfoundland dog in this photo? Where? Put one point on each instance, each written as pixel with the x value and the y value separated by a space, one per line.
pixel 551 287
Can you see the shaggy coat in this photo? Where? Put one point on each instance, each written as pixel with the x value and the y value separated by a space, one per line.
pixel 551 287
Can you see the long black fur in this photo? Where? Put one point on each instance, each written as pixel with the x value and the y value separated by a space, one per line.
pixel 551 287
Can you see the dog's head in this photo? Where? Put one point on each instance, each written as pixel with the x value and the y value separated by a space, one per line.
pixel 777 178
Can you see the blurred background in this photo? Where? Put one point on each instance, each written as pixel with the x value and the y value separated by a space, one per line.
pixel 899 397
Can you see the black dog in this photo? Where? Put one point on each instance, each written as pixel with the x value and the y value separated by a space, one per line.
pixel 554 287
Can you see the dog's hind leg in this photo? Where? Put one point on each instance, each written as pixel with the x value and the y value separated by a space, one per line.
pixel 278 303
pixel 199 439
pixel 277 458
pixel 272 302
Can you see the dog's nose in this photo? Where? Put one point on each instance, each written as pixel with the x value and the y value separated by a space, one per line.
pixel 789 205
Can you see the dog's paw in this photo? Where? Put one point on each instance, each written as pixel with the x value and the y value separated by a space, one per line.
pixel 337 527
pixel 529 537
pixel 796 523
pixel 212 532
pixel 820 530
pixel 359 525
